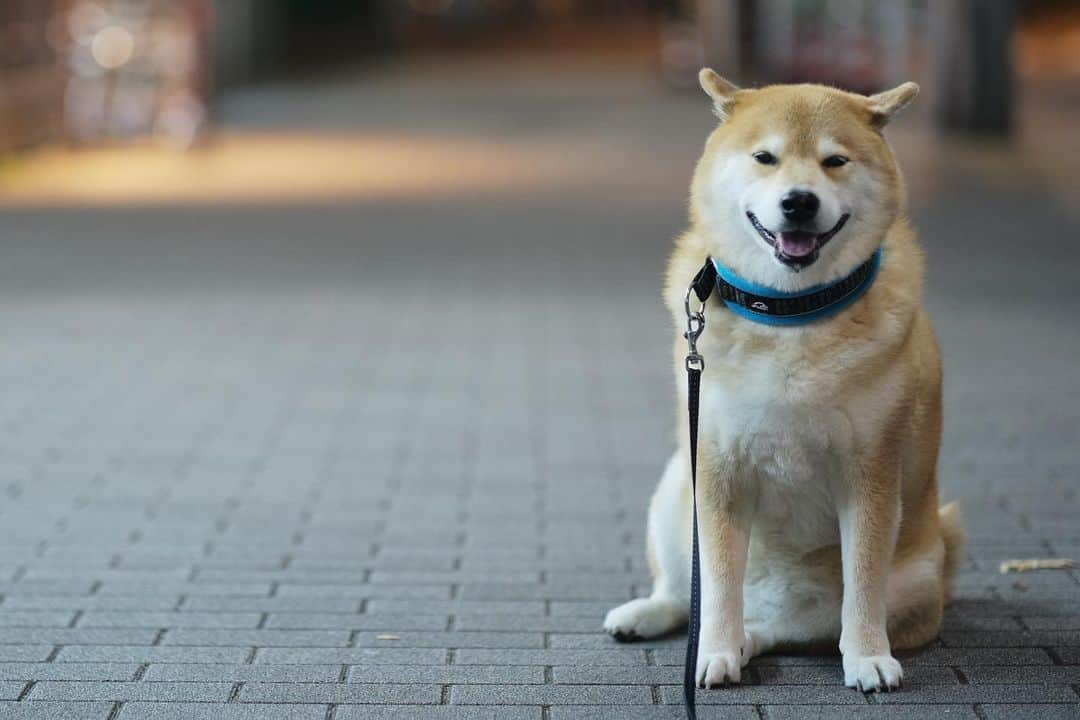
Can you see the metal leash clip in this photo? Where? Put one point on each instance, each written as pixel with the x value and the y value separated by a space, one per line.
pixel 695 325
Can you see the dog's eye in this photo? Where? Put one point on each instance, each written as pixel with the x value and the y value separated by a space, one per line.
pixel 765 158
pixel 834 161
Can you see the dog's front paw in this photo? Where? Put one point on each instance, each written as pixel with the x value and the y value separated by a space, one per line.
pixel 719 668
pixel 875 673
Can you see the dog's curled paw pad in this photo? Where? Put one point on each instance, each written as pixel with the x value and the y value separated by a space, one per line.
pixel 878 673
pixel 640 619
pixel 720 668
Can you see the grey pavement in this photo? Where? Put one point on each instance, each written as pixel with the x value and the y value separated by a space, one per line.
pixel 390 458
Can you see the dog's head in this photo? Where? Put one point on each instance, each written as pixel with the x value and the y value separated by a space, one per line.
pixel 797 185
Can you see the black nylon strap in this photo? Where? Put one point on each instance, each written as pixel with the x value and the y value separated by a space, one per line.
pixel 703 286
pixel 693 384
pixel 705 280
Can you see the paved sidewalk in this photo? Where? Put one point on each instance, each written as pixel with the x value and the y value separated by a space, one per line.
pixel 391 460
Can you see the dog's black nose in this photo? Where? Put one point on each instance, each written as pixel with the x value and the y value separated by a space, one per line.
pixel 800 205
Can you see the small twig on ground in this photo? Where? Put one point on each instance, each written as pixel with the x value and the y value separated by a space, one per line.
pixel 1029 564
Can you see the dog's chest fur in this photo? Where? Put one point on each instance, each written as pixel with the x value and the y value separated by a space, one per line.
pixel 779 421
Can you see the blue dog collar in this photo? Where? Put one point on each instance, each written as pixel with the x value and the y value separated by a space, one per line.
pixel 770 306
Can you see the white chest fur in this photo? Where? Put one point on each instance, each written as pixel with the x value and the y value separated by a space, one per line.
pixel 778 425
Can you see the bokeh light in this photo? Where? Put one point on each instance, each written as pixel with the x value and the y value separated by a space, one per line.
pixel 112 47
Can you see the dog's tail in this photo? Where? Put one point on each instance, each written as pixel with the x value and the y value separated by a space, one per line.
pixel 952 533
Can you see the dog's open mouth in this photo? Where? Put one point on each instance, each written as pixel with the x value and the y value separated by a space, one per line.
pixel 796 248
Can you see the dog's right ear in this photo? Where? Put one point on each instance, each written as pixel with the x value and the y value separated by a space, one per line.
pixel 720 90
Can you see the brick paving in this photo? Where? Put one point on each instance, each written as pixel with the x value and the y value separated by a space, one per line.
pixel 391 459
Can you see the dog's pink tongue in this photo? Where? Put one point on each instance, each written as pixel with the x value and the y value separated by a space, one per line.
pixel 797 244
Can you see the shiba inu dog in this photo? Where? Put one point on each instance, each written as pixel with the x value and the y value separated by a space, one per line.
pixel 817 488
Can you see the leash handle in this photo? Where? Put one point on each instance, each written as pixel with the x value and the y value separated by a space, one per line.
pixel 703 285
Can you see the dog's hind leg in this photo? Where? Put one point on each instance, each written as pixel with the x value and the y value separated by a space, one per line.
pixel 799 608
pixel 668 607
pixel 916 599
pixel 792 610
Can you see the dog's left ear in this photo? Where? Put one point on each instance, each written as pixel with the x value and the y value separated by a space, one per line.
pixel 885 105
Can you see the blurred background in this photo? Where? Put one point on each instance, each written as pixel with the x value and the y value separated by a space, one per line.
pixel 225 222
pixel 389 77
pixel 269 214
pixel 306 303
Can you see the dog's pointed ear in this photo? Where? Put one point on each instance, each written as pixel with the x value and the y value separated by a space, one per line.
pixel 720 90
pixel 885 105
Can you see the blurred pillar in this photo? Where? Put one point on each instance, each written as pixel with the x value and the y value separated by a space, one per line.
pixel 974 64
pixel 719 27
pixel 774 41
pixel 894 21
pixel 249 38
pixel 234 40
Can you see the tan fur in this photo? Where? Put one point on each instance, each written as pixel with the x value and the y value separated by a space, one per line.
pixel 874 369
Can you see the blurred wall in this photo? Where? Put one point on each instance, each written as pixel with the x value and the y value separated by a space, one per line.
pixel 92 71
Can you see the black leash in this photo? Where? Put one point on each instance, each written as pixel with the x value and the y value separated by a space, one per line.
pixel 703 286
